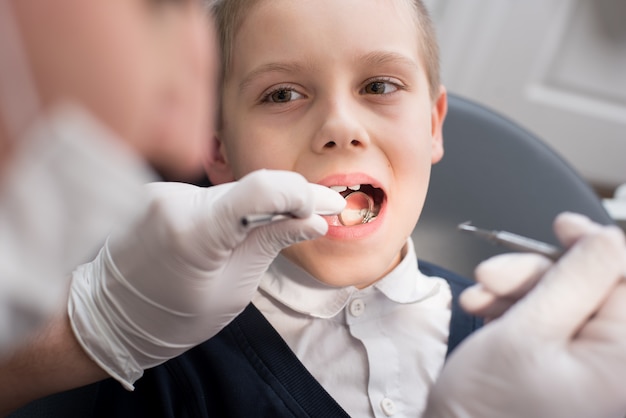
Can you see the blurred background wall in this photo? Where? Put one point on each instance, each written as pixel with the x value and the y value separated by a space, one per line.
pixel 558 67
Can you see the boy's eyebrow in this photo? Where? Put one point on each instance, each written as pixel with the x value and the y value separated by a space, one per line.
pixel 377 58
pixel 272 67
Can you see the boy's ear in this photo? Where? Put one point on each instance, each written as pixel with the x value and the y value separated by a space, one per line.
pixel 438 115
pixel 216 163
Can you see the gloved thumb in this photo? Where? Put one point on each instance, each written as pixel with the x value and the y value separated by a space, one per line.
pixel 266 192
pixel 268 240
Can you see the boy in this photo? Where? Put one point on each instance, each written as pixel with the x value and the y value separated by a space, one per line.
pixel 316 88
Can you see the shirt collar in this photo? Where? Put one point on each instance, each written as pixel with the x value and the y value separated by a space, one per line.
pixel 295 288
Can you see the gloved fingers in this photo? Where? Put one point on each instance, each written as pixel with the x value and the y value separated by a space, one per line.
pixel 511 275
pixel 264 243
pixel 479 301
pixel 268 240
pixel 475 299
pixel 601 346
pixel 573 289
pixel 326 201
pixel 614 308
pixel 269 192
pixel 253 256
pixel 609 323
pixel 569 227
pixel 260 192
pixel 502 281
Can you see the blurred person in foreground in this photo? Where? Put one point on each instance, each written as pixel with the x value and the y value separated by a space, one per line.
pixel 93 96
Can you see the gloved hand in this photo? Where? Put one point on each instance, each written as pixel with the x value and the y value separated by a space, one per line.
pixel 188 268
pixel 560 351
pixel 504 279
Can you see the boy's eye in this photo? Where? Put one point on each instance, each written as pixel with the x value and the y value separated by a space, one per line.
pixel 282 95
pixel 380 87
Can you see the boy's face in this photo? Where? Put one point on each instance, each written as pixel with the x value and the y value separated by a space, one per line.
pixel 142 67
pixel 336 90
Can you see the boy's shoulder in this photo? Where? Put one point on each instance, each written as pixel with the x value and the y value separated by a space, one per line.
pixel 462 324
pixel 456 281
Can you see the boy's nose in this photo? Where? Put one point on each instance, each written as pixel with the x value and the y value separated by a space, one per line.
pixel 341 128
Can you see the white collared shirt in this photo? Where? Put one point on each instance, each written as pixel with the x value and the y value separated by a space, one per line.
pixel 376 351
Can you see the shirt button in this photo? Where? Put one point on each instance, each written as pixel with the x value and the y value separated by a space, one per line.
pixel 357 307
pixel 388 406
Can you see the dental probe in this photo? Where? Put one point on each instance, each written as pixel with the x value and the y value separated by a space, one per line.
pixel 513 241
pixel 250 221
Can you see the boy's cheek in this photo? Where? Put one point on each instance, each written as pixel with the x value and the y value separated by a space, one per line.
pixel 257 154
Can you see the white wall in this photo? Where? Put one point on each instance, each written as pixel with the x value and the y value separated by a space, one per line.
pixel 558 67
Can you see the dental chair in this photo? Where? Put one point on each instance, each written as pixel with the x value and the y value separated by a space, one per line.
pixel 494 173
pixel 499 176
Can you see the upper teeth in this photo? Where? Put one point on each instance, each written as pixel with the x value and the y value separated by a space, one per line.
pixel 340 189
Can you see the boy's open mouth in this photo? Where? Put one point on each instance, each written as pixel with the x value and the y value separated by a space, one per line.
pixel 363 203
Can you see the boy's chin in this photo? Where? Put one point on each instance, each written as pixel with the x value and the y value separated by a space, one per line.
pixel 340 272
pixel 358 279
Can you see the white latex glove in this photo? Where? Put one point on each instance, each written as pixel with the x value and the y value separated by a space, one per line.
pixel 188 268
pixel 558 352
pixel 504 279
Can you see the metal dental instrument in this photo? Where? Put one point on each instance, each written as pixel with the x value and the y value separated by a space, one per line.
pixel 251 221
pixel 513 241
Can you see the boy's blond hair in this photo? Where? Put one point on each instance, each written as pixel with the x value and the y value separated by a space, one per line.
pixel 230 14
